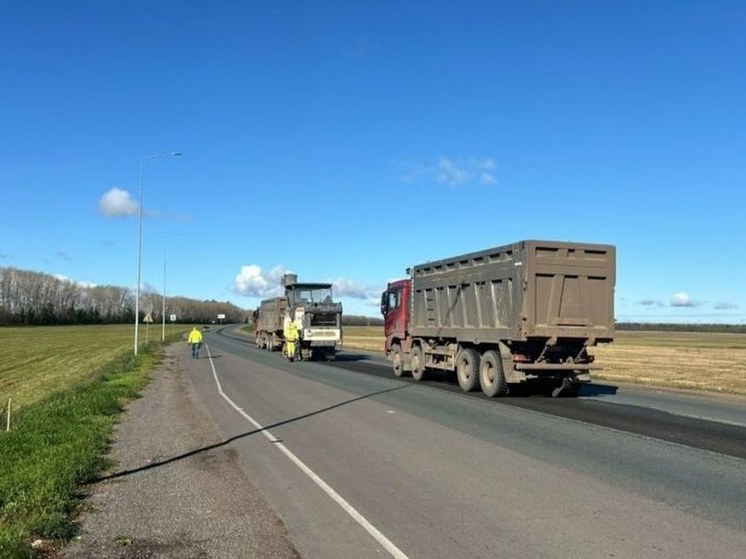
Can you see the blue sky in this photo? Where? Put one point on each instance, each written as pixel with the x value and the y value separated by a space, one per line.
pixel 345 141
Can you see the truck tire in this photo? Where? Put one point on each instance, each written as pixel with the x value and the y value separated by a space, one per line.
pixel 396 360
pixel 467 369
pixel 491 375
pixel 418 363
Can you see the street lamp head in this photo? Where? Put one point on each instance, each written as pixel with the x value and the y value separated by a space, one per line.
pixel 158 155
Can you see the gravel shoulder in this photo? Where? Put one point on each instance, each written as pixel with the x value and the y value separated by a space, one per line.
pixel 174 491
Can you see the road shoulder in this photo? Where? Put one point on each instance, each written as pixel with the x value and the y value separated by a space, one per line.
pixel 175 491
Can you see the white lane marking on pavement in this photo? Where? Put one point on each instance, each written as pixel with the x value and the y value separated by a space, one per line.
pixel 387 544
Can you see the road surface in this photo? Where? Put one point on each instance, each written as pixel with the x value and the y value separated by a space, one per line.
pixel 357 462
pixel 242 454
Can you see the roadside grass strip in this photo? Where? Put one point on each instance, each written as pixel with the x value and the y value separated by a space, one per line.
pixel 58 444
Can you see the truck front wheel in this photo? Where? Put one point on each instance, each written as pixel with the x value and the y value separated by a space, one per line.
pixel 491 375
pixel 396 360
pixel 467 369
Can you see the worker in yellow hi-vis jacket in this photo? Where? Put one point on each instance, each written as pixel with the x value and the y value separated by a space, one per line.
pixel 291 340
pixel 195 340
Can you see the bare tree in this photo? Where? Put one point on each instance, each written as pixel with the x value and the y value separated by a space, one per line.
pixel 35 298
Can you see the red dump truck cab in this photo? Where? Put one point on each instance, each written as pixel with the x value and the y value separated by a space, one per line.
pixel 395 309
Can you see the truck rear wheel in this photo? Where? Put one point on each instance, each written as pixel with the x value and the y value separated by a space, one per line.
pixel 467 369
pixel 396 360
pixel 491 375
pixel 418 363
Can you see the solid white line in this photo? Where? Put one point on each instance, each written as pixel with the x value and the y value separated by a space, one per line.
pixel 336 497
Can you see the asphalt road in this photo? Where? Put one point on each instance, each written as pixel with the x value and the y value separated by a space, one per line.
pixel 242 454
pixel 360 463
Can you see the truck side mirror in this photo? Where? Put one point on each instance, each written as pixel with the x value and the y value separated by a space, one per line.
pixel 384 303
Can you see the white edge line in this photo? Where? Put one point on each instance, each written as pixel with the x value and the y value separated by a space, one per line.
pixel 336 497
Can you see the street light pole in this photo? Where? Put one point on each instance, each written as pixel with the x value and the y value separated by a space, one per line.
pixel 163 301
pixel 139 241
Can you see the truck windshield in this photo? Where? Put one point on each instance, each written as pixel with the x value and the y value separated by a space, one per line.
pixel 317 295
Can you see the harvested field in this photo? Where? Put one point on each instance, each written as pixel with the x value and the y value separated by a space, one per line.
pixel 689 360
pixel 698 361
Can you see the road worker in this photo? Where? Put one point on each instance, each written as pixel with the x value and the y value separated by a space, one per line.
pixel 195 340
pixel 291 340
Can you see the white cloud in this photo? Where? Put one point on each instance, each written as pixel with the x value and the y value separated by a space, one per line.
pixel 252 282
pixel 454 172
pixel 117 203
pixel 353 290
pixel 486 177
pixel 450 172
pixel 682 299
pixel 64 278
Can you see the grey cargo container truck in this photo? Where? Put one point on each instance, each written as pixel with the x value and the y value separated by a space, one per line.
pixel 268 323
pixel 519 314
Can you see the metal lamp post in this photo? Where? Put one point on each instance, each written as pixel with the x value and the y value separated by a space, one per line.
pixel 163 302
pixel 139 242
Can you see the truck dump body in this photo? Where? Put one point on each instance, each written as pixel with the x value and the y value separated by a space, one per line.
pixel 544 289
pixel 270 315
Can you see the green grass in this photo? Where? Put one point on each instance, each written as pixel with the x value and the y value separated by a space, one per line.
pixel 38 361
pixel 61 430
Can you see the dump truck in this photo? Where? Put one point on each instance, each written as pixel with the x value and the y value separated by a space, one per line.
pixel 315 313
pixel 512 317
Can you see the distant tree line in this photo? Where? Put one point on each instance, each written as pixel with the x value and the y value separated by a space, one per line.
pixel 34 298
pixel 355 320
pixel 675 327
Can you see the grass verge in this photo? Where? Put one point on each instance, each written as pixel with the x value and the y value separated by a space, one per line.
pixel 56 445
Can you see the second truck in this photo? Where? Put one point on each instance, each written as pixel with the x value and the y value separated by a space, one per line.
pixel 316 315
pixel 522 314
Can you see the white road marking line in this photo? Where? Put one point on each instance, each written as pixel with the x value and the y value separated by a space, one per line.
pixel 387 544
